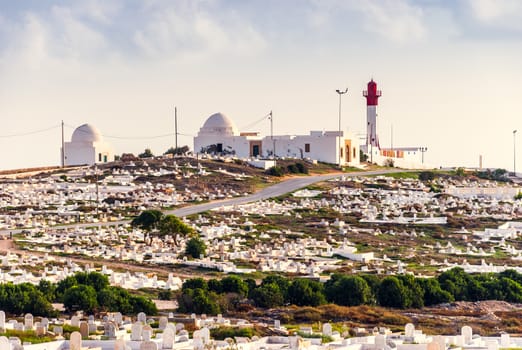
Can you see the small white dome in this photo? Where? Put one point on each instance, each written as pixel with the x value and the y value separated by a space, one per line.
pixel 86 133
pixel 219 124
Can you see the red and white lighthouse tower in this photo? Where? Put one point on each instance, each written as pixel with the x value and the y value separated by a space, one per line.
pixel 372 96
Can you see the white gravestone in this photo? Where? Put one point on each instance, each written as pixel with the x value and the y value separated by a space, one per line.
pixel 467 334
pixel 142 317
pixel 5 344
pixel 2 320
pixel 168 338
pixel 28 321
pixel 136 330
pixel 148 345
pixel 75 342
pixel 146 332
pixel 327 329
pixel 75 321
pixel 409 329
pixel 163 322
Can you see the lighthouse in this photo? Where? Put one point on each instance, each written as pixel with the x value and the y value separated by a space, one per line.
pixel 372 97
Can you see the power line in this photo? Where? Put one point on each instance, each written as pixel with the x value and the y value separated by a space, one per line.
pixel 256 122
pixel 30 132
pixel 131 137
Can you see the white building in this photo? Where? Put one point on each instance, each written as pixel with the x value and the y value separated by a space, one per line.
pixel 87 147
pixel 219 135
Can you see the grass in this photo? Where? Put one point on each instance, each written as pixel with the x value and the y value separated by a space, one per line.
pixel 27 336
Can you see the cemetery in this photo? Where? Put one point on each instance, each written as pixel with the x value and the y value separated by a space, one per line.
pixel 398 230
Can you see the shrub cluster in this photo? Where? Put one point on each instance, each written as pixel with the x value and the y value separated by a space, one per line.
pixel 295 168
pixel 401 291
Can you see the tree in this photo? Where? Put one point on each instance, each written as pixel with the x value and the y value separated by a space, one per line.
pixel 282 282
pixel 146 154
pixel 177 151
pixel 195 283
pixel 347 290
pixel 433 293
pixel 80 297
pixel 392 293
pixel 267 295
pixel 195 248
pixel 147 220
pixel 234 284
pixel 426 175
pixel 304 292
pixel 172 225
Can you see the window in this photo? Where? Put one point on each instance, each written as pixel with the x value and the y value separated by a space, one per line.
pixel 307 147
pixel 354 153
pixel 99 157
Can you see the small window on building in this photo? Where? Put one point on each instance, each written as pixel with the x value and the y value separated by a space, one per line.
pixel 99 157
pixel 342 153
pixel 307 147
pixel 354 153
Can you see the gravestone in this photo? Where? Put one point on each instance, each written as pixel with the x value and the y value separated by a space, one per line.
pixel 380 341
pixel 146 332
pixel 2 320
pixel 277 324
pixel 16 343
pixel 109 330
pixel 327 329
pixel 197 344
pixel 136 330
pixel 119 344
pixel 28 321
pixel 58 330
pixel 75 321
pixel 168 338
pixel 505 341
pixel 84 329
pixel 441 341
pixel 45 322
pixel 118 318
pixel 163 322
pixel 491 344
pixel 432 346
pixel 5 344
pixel 205 335
pixel 148 345
pixel 40 330
pixel 409 330
pixel 293 342
pixel 75 342
pixel 179 327
pixel 467 334
pixel 142 317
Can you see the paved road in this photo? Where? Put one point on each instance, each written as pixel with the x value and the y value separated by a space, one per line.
pixel 275 190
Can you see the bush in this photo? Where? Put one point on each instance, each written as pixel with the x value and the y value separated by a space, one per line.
pixel 275 171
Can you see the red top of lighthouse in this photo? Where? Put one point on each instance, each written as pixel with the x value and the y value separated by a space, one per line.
pixel 372 94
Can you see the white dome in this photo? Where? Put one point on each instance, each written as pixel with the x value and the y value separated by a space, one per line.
pixel 219 124
pixel 86 133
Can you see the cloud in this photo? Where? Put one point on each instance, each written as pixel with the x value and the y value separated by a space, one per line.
pixel 503 14
pixel 397 20
pixel 180 33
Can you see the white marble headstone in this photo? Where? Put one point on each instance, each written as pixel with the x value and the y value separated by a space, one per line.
pixel 75 342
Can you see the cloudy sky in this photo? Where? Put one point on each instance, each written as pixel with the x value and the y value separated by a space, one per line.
pixel 449 72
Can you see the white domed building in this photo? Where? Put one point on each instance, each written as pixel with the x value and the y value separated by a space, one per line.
pixel 87 147
pixel 219 135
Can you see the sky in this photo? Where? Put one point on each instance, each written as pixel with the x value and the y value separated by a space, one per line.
pixel 449 71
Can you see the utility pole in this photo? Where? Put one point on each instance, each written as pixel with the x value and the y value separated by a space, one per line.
pixel 176 128
pixel 63 149
pixel 339 150
pixel 272 135
pixel 514 154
